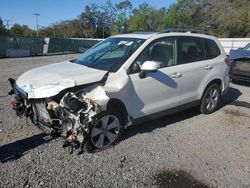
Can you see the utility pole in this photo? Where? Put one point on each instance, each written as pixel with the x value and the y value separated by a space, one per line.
pixel 102 27
pixel 36 14
pixel 7 24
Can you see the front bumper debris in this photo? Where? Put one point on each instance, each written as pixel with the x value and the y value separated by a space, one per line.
pixel 70 117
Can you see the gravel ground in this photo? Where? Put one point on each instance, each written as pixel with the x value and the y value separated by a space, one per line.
pixel 214 149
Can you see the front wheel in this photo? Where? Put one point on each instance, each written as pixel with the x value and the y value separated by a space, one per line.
pixel 105 131
pixel 210 99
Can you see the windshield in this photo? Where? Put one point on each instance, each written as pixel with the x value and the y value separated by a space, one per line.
pixel 109 54
pixel 247 47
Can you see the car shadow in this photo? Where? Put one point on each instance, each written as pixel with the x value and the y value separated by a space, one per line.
pixel 164 79
pixel 165 121
pixel 15 150
pixel 230 98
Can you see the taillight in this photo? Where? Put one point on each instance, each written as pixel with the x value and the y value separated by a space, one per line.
pixel 228 61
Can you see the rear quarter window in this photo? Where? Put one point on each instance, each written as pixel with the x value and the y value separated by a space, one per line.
pixel 212 49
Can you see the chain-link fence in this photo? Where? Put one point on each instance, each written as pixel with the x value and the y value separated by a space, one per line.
pixel 70 45
pixel 40 45
pixel 33 44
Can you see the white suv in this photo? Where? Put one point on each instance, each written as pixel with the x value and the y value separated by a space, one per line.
pixel 123 80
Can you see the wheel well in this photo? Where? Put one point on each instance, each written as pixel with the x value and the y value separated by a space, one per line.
pixel 217 81
pixel 118 106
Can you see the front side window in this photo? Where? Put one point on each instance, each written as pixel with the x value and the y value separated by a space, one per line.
pixel 160 50
pixel 190 49
pixel 109 54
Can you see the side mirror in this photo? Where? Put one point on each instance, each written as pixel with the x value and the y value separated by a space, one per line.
pixel 148 66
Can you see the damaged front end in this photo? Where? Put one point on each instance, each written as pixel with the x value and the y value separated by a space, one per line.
pixel 69 117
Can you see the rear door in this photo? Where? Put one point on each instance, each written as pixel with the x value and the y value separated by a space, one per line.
pixel 191 57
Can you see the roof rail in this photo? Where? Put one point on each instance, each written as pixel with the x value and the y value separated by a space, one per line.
pixel 141 31
pixel 185 31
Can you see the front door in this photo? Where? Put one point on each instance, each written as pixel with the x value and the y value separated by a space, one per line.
pixel 159 90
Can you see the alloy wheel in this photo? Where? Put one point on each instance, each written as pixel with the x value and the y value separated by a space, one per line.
pixel 212 99
pixel 105 131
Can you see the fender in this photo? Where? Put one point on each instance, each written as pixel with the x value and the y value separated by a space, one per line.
pixel 206 82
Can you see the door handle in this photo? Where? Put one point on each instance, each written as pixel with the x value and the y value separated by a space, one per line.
pixel 208 67
pixel 176 75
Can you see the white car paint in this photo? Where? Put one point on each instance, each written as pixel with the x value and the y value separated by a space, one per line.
pixel 194 80
pixel 49 80
pixel 158 91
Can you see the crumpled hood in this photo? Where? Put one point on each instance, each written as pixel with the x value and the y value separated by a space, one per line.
pixel 49 80
pixel 239 54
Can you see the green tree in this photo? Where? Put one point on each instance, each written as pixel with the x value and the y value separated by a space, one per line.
pixel 3 30
pixel 108 17
pixel 88 20
pixel 224 18
pixel 230 21
pixel 122 13
pixel 94 21
pixel 23 30
pixel 147 18
pixel 184 14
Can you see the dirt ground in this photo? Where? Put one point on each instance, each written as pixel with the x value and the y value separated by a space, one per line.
pixel 213 150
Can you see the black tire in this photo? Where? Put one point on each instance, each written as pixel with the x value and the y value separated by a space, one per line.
pixel 115 119
pixel 210 99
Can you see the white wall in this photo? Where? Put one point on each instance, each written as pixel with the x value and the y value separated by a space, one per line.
pixel 233 43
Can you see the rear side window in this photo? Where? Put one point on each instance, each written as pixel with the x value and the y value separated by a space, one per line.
pixel 212 49
pixel 190 49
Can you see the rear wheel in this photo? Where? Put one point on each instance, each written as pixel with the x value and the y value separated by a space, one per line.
pixel 210 99
pixel 105 131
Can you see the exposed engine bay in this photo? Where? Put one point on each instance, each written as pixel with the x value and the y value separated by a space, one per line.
pixel 69 117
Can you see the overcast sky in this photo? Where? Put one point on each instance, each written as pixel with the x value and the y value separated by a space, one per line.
pixel 51 11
